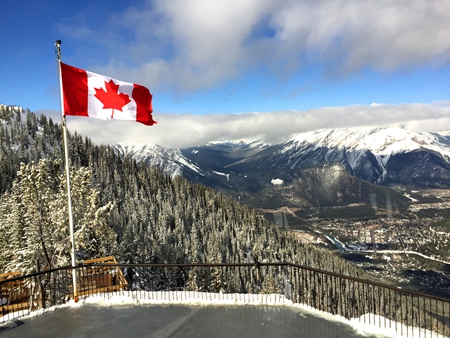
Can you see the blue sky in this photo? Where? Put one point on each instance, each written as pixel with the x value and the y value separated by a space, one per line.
pixel 237 69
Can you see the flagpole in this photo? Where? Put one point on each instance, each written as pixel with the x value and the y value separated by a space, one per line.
pixel 66 156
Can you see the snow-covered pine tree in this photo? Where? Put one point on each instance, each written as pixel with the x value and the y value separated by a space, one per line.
pixel 35 219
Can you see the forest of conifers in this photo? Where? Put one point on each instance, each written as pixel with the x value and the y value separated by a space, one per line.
pixel 122 208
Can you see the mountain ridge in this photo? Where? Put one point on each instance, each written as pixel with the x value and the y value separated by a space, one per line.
pixel 247 170
pixel 377 155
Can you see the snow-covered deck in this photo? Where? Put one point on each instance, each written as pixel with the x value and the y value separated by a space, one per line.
pixel 191 314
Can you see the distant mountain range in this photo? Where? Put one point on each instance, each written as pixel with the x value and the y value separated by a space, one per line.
pixel 334 164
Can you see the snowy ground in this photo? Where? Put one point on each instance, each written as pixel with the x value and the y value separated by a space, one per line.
pixel 366 326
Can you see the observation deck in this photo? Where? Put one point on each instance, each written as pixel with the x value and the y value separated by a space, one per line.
pixel 214 300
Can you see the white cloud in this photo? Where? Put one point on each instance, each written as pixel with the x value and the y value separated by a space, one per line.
pixel 190 45
pixel 186 46
pixel 350 35
pixel 180 131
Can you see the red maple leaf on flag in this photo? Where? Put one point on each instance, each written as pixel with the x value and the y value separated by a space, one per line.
pixel 111 98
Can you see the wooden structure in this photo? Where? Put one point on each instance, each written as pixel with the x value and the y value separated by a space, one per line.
pixel 101 278
pixel 94 276
pixel 14 295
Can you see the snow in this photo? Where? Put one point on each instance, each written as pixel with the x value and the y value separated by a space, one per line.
pixel 336 242
pixel 366 324
pixel 353 144
pixel 161 297
pixel 250 142
pixel 388 327
pixel 222 174
pixel 380 141
pixel 276 181
pixel 191 166
pixel 409 196
pixel 187 297
pixel 172 160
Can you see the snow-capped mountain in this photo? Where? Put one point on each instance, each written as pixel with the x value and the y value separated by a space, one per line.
pixel 378 155
pixel 381 155
pixel 170 161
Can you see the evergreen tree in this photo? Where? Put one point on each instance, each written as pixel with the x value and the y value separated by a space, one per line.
pixel 35 219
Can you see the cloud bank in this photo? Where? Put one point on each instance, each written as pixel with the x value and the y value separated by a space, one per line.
pixel 181 131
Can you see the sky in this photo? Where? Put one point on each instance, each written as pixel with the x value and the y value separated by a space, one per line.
pixel 233 69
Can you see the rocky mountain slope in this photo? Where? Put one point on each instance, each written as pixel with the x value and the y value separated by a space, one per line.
pixel 382 156
pixel 321 168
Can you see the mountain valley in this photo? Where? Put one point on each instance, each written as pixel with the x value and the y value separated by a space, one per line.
pixel 369 206
pixel 383 193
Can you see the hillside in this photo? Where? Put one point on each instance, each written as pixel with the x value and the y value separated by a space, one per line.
pixel 388 157
pixel 155 218
pixel 161 218
pixel 312 186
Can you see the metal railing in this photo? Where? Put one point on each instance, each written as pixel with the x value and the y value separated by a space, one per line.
pixel 409 313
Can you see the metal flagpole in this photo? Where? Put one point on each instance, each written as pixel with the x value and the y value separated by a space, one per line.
pixel 66 155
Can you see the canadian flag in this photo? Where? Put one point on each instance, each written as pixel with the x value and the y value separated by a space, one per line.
pixel 93 95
